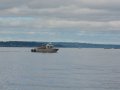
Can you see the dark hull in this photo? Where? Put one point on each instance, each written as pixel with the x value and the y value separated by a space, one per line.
pixel 44 50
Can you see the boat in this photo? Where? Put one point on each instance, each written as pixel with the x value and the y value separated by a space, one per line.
pixel 48 48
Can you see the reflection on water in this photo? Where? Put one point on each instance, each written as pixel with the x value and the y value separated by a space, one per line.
pixel 69 69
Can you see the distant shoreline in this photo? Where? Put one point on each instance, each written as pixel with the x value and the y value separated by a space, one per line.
pixel 57 44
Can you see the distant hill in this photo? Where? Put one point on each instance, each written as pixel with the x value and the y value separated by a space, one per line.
pixel 57 44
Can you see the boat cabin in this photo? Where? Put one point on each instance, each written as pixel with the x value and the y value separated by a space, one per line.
pixel 48 46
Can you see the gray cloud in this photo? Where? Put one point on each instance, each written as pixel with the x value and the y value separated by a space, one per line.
pixel 61 14
pixel 102 4
pixel 41 23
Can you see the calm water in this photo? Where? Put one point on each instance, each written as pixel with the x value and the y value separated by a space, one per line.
pixel 69 69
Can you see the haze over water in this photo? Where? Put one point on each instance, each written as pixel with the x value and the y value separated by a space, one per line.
pixel 69 69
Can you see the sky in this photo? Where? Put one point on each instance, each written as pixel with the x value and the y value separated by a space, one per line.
pixel 85 21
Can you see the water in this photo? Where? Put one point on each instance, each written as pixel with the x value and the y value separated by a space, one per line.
pixel 69 69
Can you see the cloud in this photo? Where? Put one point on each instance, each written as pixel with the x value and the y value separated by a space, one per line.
pixel 102 4
pixel 61 9
pixel 57 23
pixel 48 17
pixel 75 10
pixel 69 7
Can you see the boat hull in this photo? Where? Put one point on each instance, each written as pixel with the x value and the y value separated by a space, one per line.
pixel 44 50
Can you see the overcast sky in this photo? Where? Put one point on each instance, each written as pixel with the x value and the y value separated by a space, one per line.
pixel 91 21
